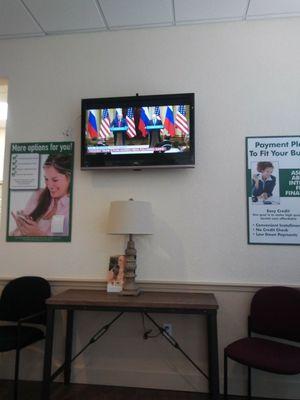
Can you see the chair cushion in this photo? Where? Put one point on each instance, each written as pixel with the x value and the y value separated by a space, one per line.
pixel 28 335
pixel 266 355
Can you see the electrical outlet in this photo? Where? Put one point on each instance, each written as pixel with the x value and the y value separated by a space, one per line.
pixel 168 328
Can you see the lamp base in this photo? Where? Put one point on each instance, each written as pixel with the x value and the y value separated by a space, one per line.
pixel 129 287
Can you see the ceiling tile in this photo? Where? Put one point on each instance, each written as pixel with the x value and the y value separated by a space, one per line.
pixel 202 10
pixel 15 20
pixel 120 13
pixel 66 15
pixel 263 8
pixel 21 18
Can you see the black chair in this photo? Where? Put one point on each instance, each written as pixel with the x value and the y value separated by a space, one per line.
pixel 22 302
pixel 275 313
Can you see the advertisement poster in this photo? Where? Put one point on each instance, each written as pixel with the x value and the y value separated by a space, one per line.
pixel 40 192
pixel 273 189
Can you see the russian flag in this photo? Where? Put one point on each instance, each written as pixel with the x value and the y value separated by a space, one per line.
pixel 92 125
pixel 169 121
pixel 144 121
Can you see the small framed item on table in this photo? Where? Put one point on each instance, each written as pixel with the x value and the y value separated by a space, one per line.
pixel 115 276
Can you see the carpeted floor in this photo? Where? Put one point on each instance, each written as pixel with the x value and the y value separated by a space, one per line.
pixel 32 391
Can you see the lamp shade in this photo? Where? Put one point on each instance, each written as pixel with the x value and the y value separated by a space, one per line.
pixel 130 217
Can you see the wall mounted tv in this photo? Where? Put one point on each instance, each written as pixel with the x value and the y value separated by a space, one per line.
pixel 138 132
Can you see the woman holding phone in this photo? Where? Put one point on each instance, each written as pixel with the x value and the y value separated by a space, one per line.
pixel 47 211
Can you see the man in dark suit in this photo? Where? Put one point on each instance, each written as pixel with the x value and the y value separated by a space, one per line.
pixel 119 122
pixel 154 134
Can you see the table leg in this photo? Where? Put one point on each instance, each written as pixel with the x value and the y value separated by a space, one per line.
pixel 48 354
pixel 68 347
pixel 213 359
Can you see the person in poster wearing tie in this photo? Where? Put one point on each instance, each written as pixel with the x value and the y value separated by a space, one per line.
pixel 154 134
pixel 119 122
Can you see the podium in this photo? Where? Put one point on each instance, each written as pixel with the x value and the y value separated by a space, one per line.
pixel 154 134
pixel 153 127
pixel 119 134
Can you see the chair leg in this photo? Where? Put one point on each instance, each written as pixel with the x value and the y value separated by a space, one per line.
pixel 16 382
pixel 225 377
pixel 249 383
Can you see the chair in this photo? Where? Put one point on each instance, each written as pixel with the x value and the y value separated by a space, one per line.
pixel 274 313
pixel 22 302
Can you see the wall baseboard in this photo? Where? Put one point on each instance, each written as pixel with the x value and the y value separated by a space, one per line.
pixel 59 284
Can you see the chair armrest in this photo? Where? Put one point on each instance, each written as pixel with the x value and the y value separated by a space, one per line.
pixel 25 319
pixel 31 317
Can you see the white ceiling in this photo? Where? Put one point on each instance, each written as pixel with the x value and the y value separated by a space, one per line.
pixel 23 18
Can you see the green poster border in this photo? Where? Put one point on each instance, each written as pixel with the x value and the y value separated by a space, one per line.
pixel 43 239
pixel 247 198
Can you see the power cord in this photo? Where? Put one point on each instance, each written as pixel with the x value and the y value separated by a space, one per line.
pixel 147 332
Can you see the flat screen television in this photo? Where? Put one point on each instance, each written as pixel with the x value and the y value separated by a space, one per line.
pixel 138 132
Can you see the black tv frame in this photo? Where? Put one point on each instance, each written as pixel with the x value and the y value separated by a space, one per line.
pixel 138 161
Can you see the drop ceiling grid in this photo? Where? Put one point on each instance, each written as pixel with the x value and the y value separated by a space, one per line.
pixel 23 18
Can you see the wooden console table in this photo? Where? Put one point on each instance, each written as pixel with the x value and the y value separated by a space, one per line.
pixel 147 302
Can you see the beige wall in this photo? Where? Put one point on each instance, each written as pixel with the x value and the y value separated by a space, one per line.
pixel 2 144
pixel 3 97
pixel 243 76
pixel 246 82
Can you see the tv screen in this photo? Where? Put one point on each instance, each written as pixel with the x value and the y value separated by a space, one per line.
pixel 138 132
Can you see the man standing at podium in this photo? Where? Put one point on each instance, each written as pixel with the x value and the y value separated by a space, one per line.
pixel 119 122
pixel 154 134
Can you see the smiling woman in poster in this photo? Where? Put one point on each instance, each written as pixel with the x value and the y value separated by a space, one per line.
pixel 47 211
pixel 264 182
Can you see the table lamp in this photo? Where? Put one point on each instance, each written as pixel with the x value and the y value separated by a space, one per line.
pixel 130 218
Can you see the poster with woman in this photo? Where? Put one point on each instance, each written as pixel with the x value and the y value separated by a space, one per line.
pixel 273 189
pixel 40 192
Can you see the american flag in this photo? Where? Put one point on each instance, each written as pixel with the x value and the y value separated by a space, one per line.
pixel 181 121
pixel 157 113
pixel 130 122
pixel 105 125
